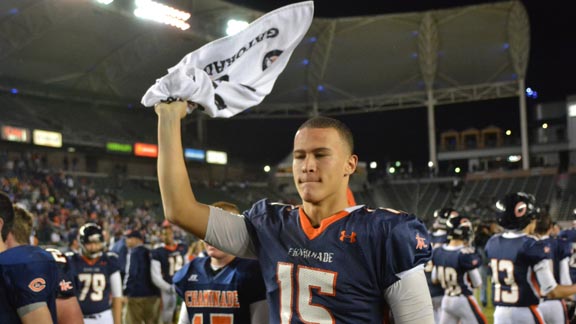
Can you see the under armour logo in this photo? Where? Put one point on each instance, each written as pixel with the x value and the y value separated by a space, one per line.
pixel 420 242
pixel 193 277
pixel 65 285
pixel 351 237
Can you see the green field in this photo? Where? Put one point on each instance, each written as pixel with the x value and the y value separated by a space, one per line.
pixel 489 309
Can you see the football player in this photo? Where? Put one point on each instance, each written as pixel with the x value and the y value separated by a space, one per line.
pixel 323 260
pixel 456 268
pixel 166 260
pixel 437 238
pixel 520 263
pixel 221 287
pixel 554 310
pixel 97 277
pixel 28 276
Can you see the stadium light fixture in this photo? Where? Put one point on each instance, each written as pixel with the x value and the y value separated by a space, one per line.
pixel 392 170
pixel 545 125
pixel 514 158
pixel 235 26
pixel 457 170
pixel 151 10
pixel 430 164
pixel 266 168
pixel 105 2
pixel 373 165
pixel 508 132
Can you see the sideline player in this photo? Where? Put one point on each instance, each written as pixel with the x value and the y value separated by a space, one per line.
pixel 456 268
pixel 520 263
pixel 97 276
pixel 28 276
pixel 554 310
pixel 237 281
pixel 322 260
pixel 438 236
pixel 166 260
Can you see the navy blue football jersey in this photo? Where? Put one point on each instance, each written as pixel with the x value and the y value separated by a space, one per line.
pixel 138 280
pixel 452 266
pixel 569 235
pixel 511 261
pixel 559 250
pixel 92 279
pixel 437 238
pixel 28 275
pixel 171 259
pixel 225 295
pixel 65 276
pixel 339 270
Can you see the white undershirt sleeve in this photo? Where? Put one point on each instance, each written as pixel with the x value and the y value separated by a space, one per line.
pixel 227 232
pixel 116 284
pixel 156 274
pixel 475 277
pixel 565 272
pixel 409 298
pixel 545 277
pixel 183 317
pixel 259 312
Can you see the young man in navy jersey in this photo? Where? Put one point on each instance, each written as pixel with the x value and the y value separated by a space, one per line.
pixel 167 259
pixel 322 261
pixel 237 282
pixel 28 276
pixel 97 278
pixel 67 307
pixel 438 236
pixel 456 267
pixel 520 263
pixel 554 310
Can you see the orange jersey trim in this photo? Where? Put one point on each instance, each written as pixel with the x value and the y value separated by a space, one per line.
pixel 171 248
pixel 536 313
pixel 312 232
pixel 90 262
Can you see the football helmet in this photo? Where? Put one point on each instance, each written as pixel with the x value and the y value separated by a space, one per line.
pixel 91 233
pixel 442 215
pixel 459 228
pixel 516 210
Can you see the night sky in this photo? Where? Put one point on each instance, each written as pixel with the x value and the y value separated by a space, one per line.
pixel 402 134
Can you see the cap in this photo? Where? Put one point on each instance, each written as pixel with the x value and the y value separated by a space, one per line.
pixel 135 233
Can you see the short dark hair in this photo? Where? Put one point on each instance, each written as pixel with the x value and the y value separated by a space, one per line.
pixel 6 214
pixel 328 122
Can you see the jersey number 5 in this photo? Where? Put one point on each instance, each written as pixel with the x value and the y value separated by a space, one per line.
pixel 214 319
pixel 306 280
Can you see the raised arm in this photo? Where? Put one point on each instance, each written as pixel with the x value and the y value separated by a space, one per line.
pixel 180 205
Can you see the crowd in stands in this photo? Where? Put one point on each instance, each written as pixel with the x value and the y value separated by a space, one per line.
pixel 62 203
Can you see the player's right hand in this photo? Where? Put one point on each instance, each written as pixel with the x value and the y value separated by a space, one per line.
pixel 174 108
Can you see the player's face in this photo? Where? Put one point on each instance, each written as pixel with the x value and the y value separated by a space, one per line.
pixel 321 164
pixel 94 247
pixel 214 252
pixel 167 235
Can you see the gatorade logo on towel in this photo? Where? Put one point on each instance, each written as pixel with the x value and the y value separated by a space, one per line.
pixel 234 73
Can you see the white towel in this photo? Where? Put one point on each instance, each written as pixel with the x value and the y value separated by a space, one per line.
pixel 234 73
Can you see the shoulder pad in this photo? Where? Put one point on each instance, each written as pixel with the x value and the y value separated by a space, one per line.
pixel 69 254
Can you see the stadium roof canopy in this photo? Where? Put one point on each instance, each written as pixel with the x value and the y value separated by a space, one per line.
pixel 82 50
